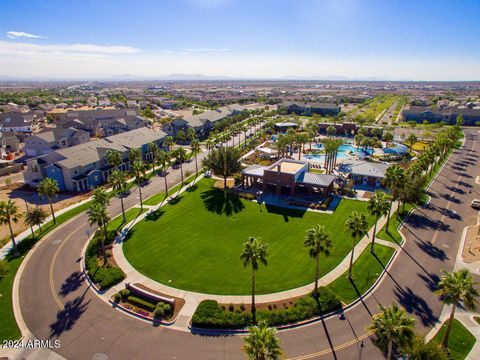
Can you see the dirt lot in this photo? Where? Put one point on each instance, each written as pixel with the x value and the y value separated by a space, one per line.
pixel 18 193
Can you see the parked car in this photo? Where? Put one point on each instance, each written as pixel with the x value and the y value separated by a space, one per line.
pixel 476 203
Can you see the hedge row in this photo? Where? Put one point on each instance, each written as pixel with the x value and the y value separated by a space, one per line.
pixel 142 303
pixel 103 276
pixel 209 314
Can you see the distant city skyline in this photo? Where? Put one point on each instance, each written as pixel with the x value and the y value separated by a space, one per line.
pixel 240 39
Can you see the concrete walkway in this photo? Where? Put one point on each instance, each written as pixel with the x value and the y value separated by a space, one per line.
pixel 192 299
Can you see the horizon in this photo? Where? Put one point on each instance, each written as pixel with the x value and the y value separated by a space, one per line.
pixel 324 40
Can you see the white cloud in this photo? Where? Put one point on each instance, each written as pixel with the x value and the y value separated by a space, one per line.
pixel 21 34
pixel 206 50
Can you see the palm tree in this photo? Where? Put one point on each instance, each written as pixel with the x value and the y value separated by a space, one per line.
pixel 119 184
pixel 378 205
pixel 195 147
pixel 163 159
pixel 318 242
pixel 191 134
pixel 97 214
pixel 411 139
pixel 180 156
pixel 114 157
pixel 48 187
pixel 101 196
pixel 134 155
pixel 34 217
pixel 393 324
pixel 8 214
pixel 255 252
pixel 153 149
pixel 357 225
pixel 138 169
pixel 262 343
pixel 455 287
pixel 419 349
pixel 394 178
pixel 168 142
pixel 224 162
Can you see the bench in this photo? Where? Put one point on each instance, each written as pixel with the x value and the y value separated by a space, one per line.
pixel 149 295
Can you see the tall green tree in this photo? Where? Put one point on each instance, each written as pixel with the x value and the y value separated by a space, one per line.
pixel 224 162
pixel 164 161
pixel 134 154
pixel 180 136
pixel 196 149
pixel 138 169
pixel 153 150
pixel 8 214
pixel 455 287
pixel 393 325
pixel 48 188
pixel 35 217
pixel 394 179
pixel 262 343
pixel 411 139
pixel 168 142
pixel 254 253
pixel 114 158
pixel 419 349
pixel 191 134
pixel 97 214
pixel 119 184
pixel 357 225
pixel 318 243
pixel 180 156
pixel 378 205
pixel 101 196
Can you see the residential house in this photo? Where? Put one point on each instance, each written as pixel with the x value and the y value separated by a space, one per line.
pixel 9 143
pixel 364 172
pixel 308 109
pixel 50 139
pixel 16 122
pixel 83 167
pixel 447 115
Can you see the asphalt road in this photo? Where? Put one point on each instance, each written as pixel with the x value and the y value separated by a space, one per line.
pixel 57 303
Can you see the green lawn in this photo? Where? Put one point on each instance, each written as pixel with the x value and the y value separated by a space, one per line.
pixel 366 270
pixel 460 341
pixel 117 223
pixel 158 198
pixel 8 326
pixel 195 244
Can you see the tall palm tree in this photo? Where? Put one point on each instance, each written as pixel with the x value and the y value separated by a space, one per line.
pixel 419 349
pixel 97 214
pixel 455 287
pixel 8 214
pixel 391 325
pixel 357 225
pixel 35 217
pixel 224 162
pixel 180 155
pixel 134 154
pixel 378 205
pixel 48 187
pixel 163 160
pixel 119 184
pixel 153 149
pixel 168 142
pixel 318 242
pixel 114 157
pixel 101 196
pixel 262 343
pixel 394 178
pixel 255 252
pixel 196 149
pixel 138 170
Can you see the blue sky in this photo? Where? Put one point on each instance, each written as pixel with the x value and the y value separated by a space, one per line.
pixel 356 39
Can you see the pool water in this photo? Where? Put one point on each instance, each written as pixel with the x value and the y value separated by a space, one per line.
pixel 342 152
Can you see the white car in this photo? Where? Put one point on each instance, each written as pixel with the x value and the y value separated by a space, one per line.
pixel 475 203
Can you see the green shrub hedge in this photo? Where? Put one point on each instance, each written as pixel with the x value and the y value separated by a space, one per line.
pixel 104 277
pixel 142 303
pixel 209 314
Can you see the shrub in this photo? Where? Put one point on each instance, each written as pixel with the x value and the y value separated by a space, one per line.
pixel 108 252
pixel 167 308
pixel 125 293
pixel 159 312
pixel 231 307
pixel 117 297
pixel 142 303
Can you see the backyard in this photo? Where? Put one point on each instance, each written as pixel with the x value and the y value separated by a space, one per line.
pixel 195 242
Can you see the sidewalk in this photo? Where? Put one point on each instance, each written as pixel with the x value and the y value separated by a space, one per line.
pixel 192 299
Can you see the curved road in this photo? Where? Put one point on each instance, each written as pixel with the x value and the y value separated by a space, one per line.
pixel 56 302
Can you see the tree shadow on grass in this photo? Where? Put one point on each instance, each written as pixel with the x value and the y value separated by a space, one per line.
pixel 285 212
pixel 221 202
pixel 155 215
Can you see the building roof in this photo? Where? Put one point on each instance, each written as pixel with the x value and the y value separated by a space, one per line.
pixel 286 124
pixel 316 105
pixel 399 150
pixel 287 166
pixel 314 179
pixel 254 170
pixel 56 134
pixel 16 119
pixel 363 168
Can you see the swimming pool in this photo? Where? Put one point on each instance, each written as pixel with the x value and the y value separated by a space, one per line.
pixel 343 152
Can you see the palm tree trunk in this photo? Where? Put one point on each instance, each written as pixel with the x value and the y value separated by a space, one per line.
pixel 372 247
pixel 33 233
pixel 389 349
pixel 104 253
pixel 12 237
pixel 224 183
pixel 51 210
pixel 254 310
pixel 123 209
pixel 166 184
pixel 196 165
pixel 40 228
pixel 388 216
pixel 316 274
pixel 140 194
pixel 449 327
pixel 181 172
pixel 351 260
